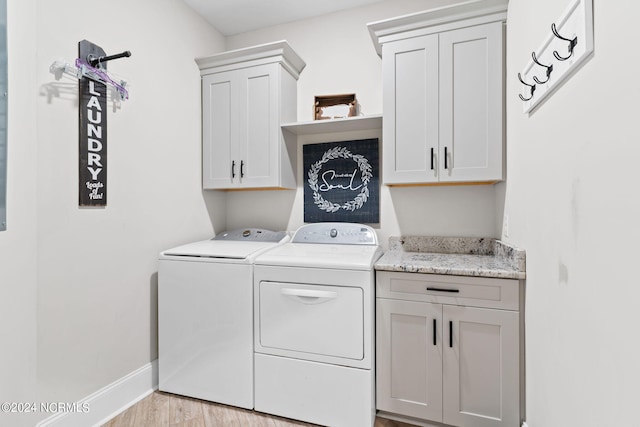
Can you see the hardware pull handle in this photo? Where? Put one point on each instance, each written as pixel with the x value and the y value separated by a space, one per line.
pixel 233 169
pixel 308 296
pixel 434 331
pixel 445 158
pixel 453 291
pixel 450 334
pixel 431 158
pixel 241 168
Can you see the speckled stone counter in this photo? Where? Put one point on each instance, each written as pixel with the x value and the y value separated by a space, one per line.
pixel 460 256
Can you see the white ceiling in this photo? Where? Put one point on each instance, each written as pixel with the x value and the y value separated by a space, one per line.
pixel 239 16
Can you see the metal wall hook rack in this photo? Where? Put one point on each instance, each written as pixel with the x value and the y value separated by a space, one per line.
pixel 572 31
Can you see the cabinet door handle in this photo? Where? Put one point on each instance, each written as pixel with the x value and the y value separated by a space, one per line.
pixel 431 158
pixel 241 168
pixel 450 334
pixel 434 331
pixel 233 169
pixel 454 291
pixel 445 158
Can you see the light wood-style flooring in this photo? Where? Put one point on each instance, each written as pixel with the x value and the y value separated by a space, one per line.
pixel 169 410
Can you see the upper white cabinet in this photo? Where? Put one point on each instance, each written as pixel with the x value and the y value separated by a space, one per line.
pixel 246 95
pixel 443 94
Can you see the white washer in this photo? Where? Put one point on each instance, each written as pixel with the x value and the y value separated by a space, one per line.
pixel 314 326
pixel 205 316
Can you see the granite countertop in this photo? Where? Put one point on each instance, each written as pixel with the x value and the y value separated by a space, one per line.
pixel 460 256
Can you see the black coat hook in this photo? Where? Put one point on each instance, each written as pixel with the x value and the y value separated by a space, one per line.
pixel 97 61
pixel 549 69
pixel 572 44
pixel 532 88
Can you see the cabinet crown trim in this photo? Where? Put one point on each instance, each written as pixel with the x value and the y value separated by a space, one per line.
pixel 275 52
pixel 405 26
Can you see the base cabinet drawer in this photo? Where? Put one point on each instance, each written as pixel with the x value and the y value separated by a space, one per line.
pixel 447 363
pixel 458 290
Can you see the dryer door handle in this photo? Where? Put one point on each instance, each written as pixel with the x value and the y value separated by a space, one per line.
pixel 309 296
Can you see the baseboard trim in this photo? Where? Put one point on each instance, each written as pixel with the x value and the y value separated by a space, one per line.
pixel 109 401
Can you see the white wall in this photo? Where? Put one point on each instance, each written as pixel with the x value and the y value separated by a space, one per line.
pixel 341 58
pixel 573 204
pixel 18 243
pixel 78 304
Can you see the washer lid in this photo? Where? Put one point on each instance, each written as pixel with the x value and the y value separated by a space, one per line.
pixel 218 249
pixel 236 244
pixel 343 257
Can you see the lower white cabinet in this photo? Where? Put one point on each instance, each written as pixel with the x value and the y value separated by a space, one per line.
pixel 440 359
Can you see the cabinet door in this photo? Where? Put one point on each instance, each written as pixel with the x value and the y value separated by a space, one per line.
pixel 260 126
pixel 220 117
pixel 410 104
pixel 481 367
pixel 471 103
pixel 409 358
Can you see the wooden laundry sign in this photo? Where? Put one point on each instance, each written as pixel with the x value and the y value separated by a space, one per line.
pixel 92 134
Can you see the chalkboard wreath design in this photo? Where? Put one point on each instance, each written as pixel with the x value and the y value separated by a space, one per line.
pixel 351 205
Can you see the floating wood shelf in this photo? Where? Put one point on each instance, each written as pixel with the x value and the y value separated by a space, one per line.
pixel 335 125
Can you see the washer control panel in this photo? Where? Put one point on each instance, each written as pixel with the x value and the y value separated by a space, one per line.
pixel 252 234
pixel 336 233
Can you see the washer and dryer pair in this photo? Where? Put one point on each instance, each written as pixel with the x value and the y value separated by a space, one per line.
pixel 285 327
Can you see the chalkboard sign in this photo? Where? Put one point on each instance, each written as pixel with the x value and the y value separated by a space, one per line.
pixel 342 182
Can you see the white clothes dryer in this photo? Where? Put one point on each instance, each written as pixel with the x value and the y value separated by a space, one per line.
pixel 205 316
pixel 314 326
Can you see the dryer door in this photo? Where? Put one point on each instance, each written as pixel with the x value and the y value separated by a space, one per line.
pixel 316 319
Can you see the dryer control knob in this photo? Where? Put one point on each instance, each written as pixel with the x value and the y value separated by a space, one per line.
pixel 246 233
pixel 333 232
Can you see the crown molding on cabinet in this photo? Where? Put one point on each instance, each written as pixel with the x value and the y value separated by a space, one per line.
pixel 279 52
pixel 474 12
